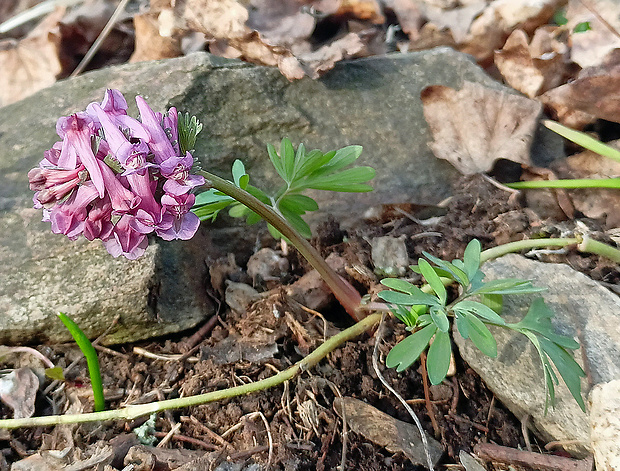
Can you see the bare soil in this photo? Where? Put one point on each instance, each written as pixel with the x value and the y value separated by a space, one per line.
pixel 305 431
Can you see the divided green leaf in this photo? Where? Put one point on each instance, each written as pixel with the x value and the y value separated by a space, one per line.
pixel 537 327
pixel 471 327
pixel 469 307
pixel 433 280
pixel 301 170
pixel 507 286
pixel 408 299
pixel 471 258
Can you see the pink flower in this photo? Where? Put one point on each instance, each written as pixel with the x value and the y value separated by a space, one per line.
pixel 184 223
pixel 177 171
pixel 116 179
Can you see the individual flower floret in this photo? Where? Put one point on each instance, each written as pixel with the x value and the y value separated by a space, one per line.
pixel 116 178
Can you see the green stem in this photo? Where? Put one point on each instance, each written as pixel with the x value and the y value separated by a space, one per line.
pixel 584 244
pixel 599 248
pixel 139 410
pixel 519 245
pixel 569 183
pixel 344 292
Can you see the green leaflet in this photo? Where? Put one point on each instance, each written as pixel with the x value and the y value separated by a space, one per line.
pixel 408 350
pixel 438 358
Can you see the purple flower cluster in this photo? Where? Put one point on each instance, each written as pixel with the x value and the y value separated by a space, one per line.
pixel 117 179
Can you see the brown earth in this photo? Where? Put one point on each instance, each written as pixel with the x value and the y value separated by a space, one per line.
pixel 305 430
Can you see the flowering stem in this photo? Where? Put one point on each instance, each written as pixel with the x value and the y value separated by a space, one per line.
pixel 344 292
pixel 140 410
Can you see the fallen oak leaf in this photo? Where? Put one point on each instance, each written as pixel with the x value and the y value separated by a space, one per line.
pixel 456 20
pixel 529 71
pixel 474 127
pixel 595 91
pixel 32 63
pixel 318 62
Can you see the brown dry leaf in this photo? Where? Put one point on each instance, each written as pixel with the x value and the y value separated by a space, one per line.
pixel 386 431
pixel 475 126
pixel 595 93
pixel 150 43
pixel 32 63
pixel 366 10
pixel 489 30
pixel 217 19
pixel 18 390
pixel 223 22
pixel 530 72
pixel 593 202
pixel 431 36
pixel 275 34
pixel 316 63
pixel 457 20
pixel 589 48
pixel 409 16
pixel 281 22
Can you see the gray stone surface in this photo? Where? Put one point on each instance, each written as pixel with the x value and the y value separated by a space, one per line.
pixel 583 309
pixel 373 102
pixel 605 425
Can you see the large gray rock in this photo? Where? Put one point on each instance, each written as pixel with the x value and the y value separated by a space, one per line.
pixel 372 102
pixel 583 309
pixel 605 425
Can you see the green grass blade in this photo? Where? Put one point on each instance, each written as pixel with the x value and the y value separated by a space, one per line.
pixel 91 359
pixel 583 140
pixel 568 183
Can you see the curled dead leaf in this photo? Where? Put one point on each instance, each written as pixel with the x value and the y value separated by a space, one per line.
pixel 457 20
pixel 368 10
pixel 531 72
pixel 595 92
pixel 474 127
pixel 589 48
pixel 150 44
pixel 489 30
pixel 318 62
pixel 32 63
pixel 18 390
pixel 409 16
